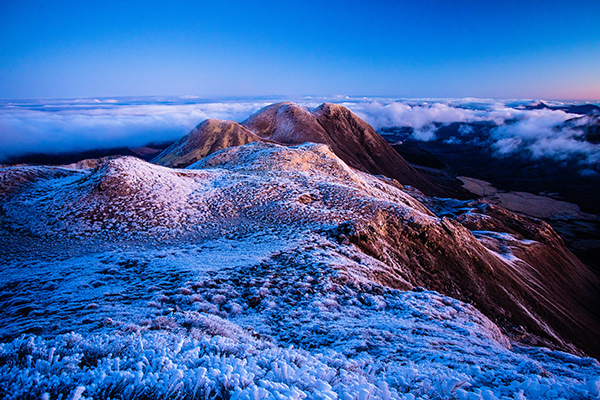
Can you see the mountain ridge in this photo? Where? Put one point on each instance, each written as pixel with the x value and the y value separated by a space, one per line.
pixel 352 139
pixel 469 250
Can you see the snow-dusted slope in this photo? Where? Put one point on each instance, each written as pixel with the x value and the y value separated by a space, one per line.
pixel 350 138
pixel 266 271
pixel 256 187
pixel 269 315
pixel 252 185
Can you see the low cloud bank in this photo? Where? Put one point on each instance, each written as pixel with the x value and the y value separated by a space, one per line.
pixel 60 127
pixel 513 129
pixel 547 137
pixel 56 126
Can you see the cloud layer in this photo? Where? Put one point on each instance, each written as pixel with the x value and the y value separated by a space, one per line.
pixel 55 126
pixel 79 125
pixel 513 129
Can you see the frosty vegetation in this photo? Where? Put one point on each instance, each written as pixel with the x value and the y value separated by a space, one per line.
pixel 225 281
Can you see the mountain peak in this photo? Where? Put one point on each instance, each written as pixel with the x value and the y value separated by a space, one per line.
pixel 209 136
pixel 349 137
pixel 285 123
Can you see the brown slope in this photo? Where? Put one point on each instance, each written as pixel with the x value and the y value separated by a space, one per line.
pixel 350 138
pixel 549 280
pixel 287 123
pixel 359 145
pixel 514 269
pixel 209 136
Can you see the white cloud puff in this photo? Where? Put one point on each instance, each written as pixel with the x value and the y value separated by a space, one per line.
pixel 417 116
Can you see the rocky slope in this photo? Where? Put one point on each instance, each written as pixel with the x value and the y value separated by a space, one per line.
pixel 516 270
pixel 350 138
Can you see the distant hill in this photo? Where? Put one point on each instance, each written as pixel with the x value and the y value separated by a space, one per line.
pixel 582 109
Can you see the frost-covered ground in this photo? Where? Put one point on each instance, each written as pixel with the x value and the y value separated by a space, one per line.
pixel 255 303
pixel 266 316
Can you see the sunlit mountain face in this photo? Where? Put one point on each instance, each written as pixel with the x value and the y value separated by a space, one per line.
pixel 330 248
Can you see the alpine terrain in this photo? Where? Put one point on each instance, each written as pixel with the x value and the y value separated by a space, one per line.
pixel 293 255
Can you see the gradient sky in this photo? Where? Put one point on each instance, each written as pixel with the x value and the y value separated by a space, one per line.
pixel 421 48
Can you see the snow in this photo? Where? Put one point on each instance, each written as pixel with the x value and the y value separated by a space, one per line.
pixel 222 281
pixel 317 331
pixel 251 185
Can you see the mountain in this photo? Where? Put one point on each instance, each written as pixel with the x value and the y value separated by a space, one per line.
pixel 514 269
pixel 582 109
pixel 350 138
pixel 592 129
pixel 209 136
pixel 265 270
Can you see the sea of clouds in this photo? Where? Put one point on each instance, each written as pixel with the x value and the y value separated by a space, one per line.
pixel 537 133
pixel 57 126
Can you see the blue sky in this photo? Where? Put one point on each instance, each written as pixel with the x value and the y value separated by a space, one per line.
pixel 502 49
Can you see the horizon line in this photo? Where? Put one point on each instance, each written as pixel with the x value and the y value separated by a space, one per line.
pixel 305 97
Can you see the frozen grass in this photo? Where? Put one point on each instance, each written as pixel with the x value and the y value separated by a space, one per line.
pixel 301 323
pixel 201 366
pixel 260 301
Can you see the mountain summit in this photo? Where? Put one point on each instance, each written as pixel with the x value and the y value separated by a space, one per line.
pixel 270 268
pixel 350 138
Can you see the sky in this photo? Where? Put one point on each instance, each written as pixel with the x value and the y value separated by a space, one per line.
pixel 502 49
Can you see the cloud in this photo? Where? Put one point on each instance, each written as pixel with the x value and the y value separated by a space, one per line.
pixel 543 133
pixel 546 134
pixel 507 145
pixel 465 130
pixel 79 125
pixel 55 126
pixel 417 116
pixel 564 148
pixel 532 124
pixel 588 172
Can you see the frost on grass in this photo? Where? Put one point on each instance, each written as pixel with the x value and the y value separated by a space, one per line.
pixel 258 183
pixel 201 366
pixel 293 323
pixel 252 296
